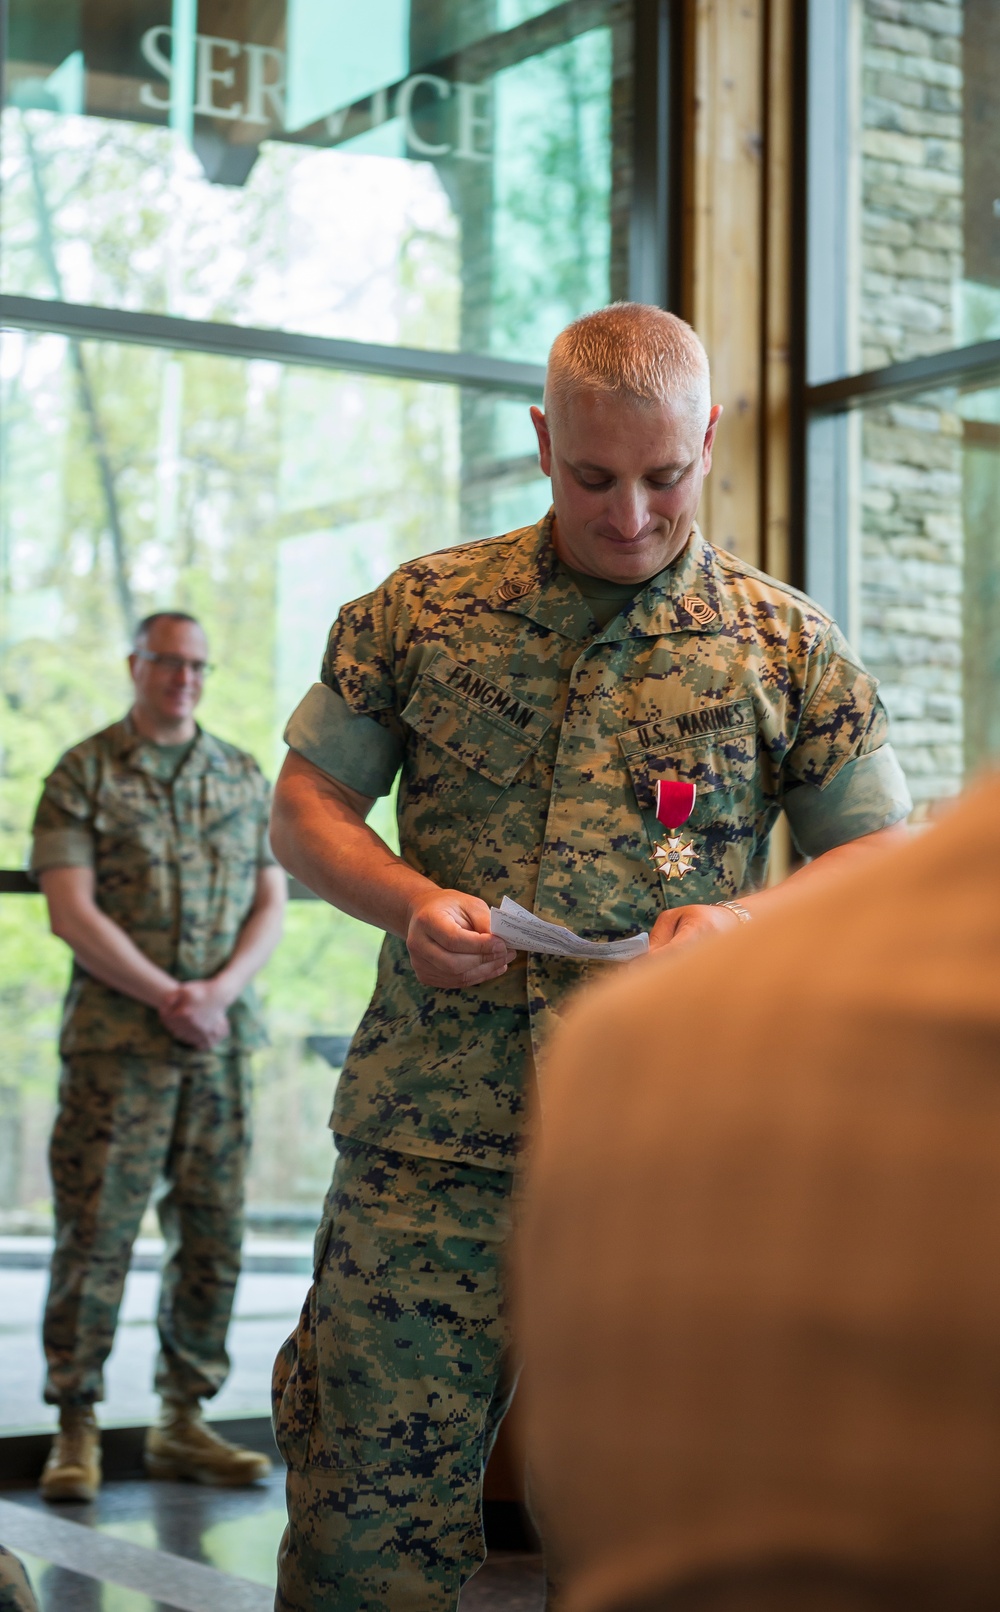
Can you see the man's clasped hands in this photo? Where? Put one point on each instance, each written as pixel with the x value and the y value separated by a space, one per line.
pixel 195 1013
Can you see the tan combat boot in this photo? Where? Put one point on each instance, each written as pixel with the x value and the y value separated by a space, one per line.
pixel 73 1469
pixel 184 1446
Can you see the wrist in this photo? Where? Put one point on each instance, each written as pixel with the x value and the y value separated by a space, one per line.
pixel 422 891
pixel 738 910
pixel 162 996
pixel 223 988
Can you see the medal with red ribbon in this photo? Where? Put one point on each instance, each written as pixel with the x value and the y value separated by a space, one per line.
pixel 674 805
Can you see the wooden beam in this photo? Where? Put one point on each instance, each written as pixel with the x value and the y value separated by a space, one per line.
pixel 776 543
pixel 723 290
pixel 775 447
pixel 737 271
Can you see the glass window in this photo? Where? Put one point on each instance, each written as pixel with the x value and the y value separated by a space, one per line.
pixel 920 491
pixel 198 189
pixel 260 497
pixel 904 271
pixel 904 196
pixel 403 173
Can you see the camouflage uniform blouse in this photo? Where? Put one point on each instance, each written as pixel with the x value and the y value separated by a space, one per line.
pixel 528 742
pixel 175 860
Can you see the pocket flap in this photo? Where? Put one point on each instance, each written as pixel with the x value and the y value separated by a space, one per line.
pixel 714 748
pixel 484 725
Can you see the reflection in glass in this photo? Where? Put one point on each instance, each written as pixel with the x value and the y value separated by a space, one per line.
pixel 402 173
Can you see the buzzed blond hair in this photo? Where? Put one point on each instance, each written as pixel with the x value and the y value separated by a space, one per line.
pixel 633 351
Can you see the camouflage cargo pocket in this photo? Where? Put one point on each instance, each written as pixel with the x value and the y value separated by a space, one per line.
pixel 294 1378
pixel 405 1337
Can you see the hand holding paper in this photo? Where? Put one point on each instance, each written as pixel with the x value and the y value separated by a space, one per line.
pixel 521 929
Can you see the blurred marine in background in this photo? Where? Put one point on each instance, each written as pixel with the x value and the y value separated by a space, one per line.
pixel 150 844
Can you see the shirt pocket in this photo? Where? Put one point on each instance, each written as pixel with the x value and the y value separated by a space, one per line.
pixel 465 757
pixel 127 809
pixel 218 854
pixel 229 818
pixel 132 860
pixel 722 763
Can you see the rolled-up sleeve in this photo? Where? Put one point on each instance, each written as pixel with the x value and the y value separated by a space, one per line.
pixel 841 778
pixel 867 794
pixel 347 725
pixel 62 835
pixel 265 856
pixel 356 750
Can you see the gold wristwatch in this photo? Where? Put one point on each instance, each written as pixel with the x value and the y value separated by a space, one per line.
pixel 740 911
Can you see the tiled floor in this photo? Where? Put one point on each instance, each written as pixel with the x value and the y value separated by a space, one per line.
pixel 158 1547
pixel 162 1547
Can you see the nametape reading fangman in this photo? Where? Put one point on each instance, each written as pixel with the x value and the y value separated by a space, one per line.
pixel 485 693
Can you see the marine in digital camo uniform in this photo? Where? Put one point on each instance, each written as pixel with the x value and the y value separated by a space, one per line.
pixel 526 737
pixel 155 862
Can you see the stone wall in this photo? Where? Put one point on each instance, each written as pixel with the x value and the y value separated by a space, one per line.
pixel 909 534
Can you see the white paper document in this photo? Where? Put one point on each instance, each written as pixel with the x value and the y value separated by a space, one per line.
pixel 526 933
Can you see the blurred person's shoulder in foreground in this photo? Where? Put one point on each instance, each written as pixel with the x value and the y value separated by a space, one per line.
pixel 16 1594
pixel 757 1295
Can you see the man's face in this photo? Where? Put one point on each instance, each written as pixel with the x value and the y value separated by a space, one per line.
pixel 168 689
pixel 626 481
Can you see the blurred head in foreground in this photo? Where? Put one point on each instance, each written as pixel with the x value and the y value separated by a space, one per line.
pixel 758 1292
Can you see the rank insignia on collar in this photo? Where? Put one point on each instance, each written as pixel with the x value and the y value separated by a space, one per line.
pixel 510 590
pixel 674 805
pixel 698 609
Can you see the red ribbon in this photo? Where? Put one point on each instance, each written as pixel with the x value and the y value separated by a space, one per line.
pixel 674 802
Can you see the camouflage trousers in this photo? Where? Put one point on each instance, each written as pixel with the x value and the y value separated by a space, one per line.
pixel 128 1127
pixel 388 1397
pixel 15 1590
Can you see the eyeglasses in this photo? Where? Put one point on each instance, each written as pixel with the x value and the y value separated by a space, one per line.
pixel 176 663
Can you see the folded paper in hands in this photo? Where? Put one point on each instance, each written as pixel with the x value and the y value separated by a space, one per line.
pixel 526 933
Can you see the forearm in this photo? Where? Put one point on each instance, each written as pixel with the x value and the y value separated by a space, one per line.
pixel 323 841
pixel 107 953
pixel 831 863
pixel 680 925
pixel 318 831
